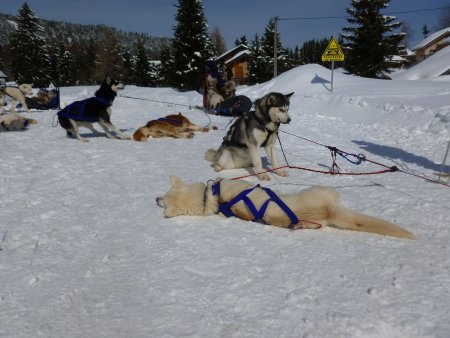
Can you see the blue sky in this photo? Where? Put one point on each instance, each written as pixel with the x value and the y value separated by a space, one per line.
pixel 234 18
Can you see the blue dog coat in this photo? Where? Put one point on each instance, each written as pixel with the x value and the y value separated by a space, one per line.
pixel 85 110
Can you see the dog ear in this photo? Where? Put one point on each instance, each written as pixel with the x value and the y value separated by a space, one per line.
pixel 289 95
pixel 107 79
pixel 176 182
pixel 270 100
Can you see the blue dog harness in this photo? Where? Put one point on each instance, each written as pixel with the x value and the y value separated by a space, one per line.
pixel 84 110
pixel 225 207
pixel 170 121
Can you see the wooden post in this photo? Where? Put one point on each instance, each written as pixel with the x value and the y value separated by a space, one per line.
pixel 275 44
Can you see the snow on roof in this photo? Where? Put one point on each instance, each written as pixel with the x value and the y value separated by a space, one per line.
pixel 232 50
pixel 432 37
pixel 409 52
pixel 238 55
pixel 2 74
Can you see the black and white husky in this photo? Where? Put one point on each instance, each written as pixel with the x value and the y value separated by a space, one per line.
pixel 251 131
pixel 95 109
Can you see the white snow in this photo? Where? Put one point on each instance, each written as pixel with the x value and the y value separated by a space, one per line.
pixel 433 66
pixel 86 252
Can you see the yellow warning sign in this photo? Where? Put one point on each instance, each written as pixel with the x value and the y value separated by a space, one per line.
pixel 333 52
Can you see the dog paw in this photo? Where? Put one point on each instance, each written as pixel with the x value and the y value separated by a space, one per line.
pixel 82 139
pixel 217 168
pixel 190 135
pixel 282 173
pixel 264 177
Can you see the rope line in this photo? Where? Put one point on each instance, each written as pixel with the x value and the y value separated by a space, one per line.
pixel 392 169
pixel 360 158
pixel 174 104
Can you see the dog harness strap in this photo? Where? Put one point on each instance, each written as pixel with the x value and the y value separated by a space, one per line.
pixel 274 198
pixel 170 121
pixel 225 208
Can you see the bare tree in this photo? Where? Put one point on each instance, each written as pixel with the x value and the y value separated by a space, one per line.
pixel 218 41
pixel 444 19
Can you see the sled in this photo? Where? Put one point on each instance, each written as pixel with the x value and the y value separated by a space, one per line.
pixel 232 106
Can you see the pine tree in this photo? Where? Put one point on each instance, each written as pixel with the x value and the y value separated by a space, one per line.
pixel 191 45
pixel 312 50
pixel 167 66
pixel 30 60
pixel 84 64
pixel 128 65
pixel 241 41
pixel 108 55
pixel 256 66
pixel 267 53
pixel 65 68
pixel 141 75
pixel 370 45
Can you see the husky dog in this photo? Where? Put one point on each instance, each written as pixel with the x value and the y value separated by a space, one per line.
pixel 95 109
pixel 311 208
pixel 16 94
pixel 251 131
pixel 177 126
pixel 14 122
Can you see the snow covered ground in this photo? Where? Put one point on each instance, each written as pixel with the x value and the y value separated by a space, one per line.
pixel 86 252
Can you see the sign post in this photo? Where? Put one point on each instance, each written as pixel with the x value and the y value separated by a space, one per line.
pixel 333 53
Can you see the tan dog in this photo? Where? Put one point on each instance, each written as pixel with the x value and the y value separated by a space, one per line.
pixel 217 95
pixel 313 207
pixel 14 122
pixel 177 126
pixel 17 94
pixel 43 97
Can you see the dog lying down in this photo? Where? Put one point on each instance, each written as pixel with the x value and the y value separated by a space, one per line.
pixel 177 126
pixel 311 208
pixel 15 122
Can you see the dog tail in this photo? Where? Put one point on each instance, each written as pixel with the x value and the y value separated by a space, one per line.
pixel 139 136
pixel 345 219
pixel 211 155
pixel 31 121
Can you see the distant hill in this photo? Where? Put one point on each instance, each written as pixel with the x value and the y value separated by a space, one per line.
pixel 65 32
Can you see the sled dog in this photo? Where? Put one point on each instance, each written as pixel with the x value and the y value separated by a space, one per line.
pixel 177 126
pixel 16 94
pixel 251 131
pixel 311 208
pixel 14 122
pixel 217 95
pixel 95 109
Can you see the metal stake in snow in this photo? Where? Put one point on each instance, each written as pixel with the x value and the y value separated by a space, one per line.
pixel 333 53
pixel 441 173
